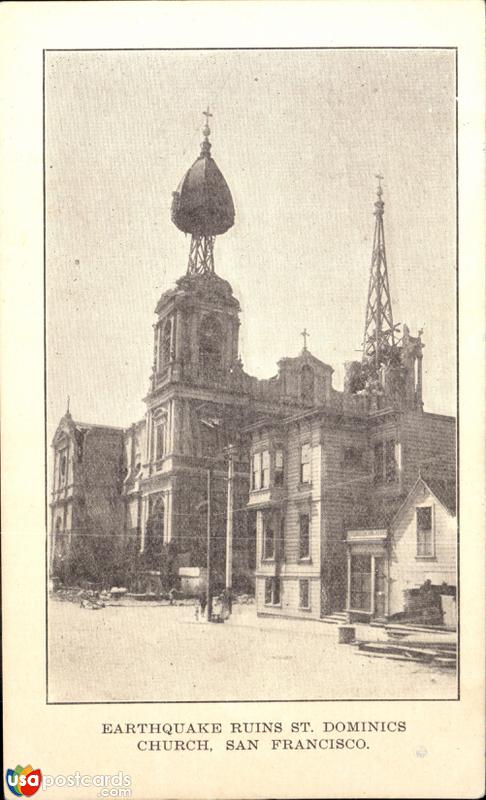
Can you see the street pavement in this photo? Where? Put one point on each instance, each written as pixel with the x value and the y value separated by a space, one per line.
pixel 161 653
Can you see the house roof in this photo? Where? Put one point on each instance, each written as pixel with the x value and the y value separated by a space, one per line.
pixel 89 425
pixel 67 425
pixel 443 489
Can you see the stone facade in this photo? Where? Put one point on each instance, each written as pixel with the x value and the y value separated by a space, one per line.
pixel 311 461
pixel 153 494
pixel 86 508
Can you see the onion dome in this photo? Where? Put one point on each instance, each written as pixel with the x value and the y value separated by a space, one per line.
pixel 202 204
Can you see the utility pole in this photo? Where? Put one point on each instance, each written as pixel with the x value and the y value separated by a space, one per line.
pixel 209 604
pixel 229 522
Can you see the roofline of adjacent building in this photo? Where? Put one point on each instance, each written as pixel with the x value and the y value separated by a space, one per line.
pixel 98 426
pixel 313 412
pixel 420 479
pixel 442 416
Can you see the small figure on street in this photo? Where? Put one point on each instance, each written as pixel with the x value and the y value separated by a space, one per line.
pixel 172 594
pixel 202 605
pixel 226 602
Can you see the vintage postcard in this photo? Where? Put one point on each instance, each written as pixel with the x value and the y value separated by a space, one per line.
pixel 242 403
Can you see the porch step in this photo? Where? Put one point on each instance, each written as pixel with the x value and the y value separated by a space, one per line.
pixel 336 618
pixel 417 651
pixel 398 630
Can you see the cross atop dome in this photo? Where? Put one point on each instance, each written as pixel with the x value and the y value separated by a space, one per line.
pixel 206 144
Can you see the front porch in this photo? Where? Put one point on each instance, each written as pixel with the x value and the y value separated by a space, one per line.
pixel 367 595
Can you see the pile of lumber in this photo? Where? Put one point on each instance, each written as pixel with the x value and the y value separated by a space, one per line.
pixel 437 652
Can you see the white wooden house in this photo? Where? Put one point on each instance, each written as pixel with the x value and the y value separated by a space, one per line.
pixel 408 569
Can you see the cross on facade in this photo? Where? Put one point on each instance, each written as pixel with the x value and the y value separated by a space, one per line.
pixel 304 335
pixel 207 114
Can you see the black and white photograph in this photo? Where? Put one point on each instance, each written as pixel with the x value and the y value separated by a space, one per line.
pixel 251 408
pixel 242 399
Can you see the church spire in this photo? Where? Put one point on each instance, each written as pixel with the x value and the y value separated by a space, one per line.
pixel 379 332
pixel 203 207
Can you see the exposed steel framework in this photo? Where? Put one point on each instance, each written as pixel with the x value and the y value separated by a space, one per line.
pixel 201 255
pixel 379 333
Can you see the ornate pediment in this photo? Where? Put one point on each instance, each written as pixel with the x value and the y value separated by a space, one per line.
pixel 305 358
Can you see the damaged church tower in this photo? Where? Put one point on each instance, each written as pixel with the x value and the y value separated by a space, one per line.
pixel 390 372
pixel 324 534
pixel 194 408
pixel 318 474
pixel 203 207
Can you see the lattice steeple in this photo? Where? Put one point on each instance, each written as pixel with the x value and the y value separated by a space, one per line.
pixel 379 332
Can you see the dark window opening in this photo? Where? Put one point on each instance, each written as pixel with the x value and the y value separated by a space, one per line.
pixel 278 477
pixel 390 461
pixel 385 462
pixel 154 533
pixel 305 465
pixel 256 470
pixel 167 342
pixel 361 583
pixel 353 458
pixel 272 591
pixel 268 539
pixel 425 542
pixel 307 385
pixel 62 469
pixel 265 480
pixel 210 344
pixel 304 539
pixel 159 440
pixel 304 593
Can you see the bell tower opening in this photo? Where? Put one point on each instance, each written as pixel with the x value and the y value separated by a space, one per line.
pixel 167 342
pixel 210 343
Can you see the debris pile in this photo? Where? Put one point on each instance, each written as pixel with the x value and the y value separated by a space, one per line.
pixel 420 648
pixel 87 598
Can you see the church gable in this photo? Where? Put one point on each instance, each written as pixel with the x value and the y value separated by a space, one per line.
pixel 307 378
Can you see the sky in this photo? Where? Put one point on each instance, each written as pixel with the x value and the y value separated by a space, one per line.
pixel 299 136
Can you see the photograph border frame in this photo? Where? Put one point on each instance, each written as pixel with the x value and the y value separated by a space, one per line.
pixel 455 49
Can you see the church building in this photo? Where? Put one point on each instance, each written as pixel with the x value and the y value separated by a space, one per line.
pixel 140 506
pixel 339 471
pixel 141 494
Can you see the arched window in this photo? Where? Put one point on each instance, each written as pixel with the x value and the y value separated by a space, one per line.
pixel 63 463
pixel 59 539
pixel 154 533
pixel 307 385
pixel 159 439
pixel 210 343
pixel 167 342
